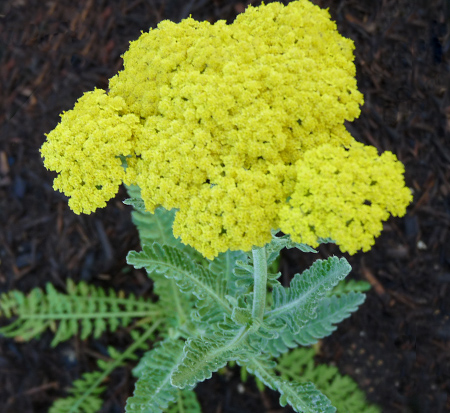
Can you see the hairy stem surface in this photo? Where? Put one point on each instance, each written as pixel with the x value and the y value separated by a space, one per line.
pixel 260 280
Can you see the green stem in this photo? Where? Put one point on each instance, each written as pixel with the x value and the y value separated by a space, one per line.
pixel 177 302
pixel 260 282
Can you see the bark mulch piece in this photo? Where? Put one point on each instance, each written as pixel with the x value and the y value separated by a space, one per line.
pixel 397 346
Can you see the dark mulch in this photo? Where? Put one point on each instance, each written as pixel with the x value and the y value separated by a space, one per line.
pixel 397 347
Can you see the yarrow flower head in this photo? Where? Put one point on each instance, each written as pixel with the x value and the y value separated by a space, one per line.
pixel 345 194
pixel 83 149
pixel 239 127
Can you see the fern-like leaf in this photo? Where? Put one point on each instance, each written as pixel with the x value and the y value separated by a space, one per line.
pixel 297 304
pixel 176 305
pixel 76 401
pixel 298 365
pixel 154 392
pixel 175 264
pixel 156 227
pixel 303 398
pixel 331 311
pixel 206 317
pixel 84 309
pixel 137 203
pixel 202 357
pixel 85 394
pixel 278 243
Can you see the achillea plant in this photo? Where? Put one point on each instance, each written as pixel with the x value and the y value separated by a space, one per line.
pixel 239 130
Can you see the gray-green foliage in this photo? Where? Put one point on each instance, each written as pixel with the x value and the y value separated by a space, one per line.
pixel 303 397
pixel 219 326
pixel 207 314
pixel 153 391
pixel 299 365
pixel 297 305
pixel 331 311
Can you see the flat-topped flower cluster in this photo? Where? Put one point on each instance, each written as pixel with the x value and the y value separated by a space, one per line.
pixel 239 127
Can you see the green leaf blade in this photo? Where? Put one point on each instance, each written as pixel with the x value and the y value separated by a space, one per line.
pixel 82 309
pixel 330 311
pixel 297 304
pixel 299 366
pixel 179 266
pixel 153 391
pixel 304 398
pixel 203 357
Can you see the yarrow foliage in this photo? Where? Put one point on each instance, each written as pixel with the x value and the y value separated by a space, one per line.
pixel 238 127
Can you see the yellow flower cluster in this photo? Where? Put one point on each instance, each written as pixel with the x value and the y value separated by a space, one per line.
pixel 344 194
pixel 83 149
pixel 215 121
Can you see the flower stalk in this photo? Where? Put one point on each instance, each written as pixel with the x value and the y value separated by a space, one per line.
pixel 260 282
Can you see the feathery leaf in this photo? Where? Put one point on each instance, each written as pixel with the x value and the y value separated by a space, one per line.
pixel 297 304
pixel 84 309
pixel 202 357
pixel 278 243
pixel 303 398
pixel 175 264
pixel 85 394
pixel 331 311
pixel 153 391
pixel 298 365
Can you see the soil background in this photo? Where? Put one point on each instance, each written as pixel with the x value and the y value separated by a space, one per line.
pixel 397 346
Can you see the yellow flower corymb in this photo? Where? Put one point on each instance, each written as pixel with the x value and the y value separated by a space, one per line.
pixel 216 122
pixel 83 149
pixel 344 194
